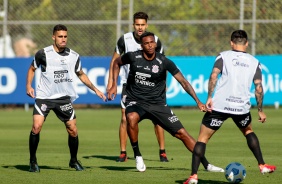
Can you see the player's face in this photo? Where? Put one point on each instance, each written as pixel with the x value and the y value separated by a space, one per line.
pixel 140 26
pixel 149 44
pixel 60 40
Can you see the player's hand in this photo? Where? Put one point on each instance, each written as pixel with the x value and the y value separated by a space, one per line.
pixel 30 92
pixel 101 95
pixel 112 93
pixel 262 116
pixel 202 107
pixel 209 105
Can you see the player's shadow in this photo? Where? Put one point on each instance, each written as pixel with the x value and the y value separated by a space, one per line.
pixel 104 157
pixel 113 158
pixel 26 167
pixel 205 182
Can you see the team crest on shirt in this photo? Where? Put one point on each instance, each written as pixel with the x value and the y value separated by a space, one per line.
pixel 43 107
pixel 155 68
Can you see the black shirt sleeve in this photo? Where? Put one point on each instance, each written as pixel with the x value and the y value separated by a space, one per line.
pixel 258 74
pixel 171 67
pixel 218 63
pixel 120 47
pixel 159 47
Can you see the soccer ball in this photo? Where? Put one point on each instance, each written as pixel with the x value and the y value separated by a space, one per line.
pixel 235 172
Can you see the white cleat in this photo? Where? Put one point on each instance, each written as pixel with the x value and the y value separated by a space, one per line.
pixel 212 168
pixel 140 166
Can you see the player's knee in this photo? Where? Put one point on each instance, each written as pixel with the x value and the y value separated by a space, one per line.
pixel 132 119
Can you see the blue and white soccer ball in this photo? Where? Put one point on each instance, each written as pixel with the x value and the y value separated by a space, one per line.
pixel 235 172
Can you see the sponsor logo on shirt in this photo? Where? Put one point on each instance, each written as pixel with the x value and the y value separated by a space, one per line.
pixel 138 56
pixel 59 76
pixel 236 62
pixel 155 68
pixel 160 61
pixel 233 109
pixel 141 78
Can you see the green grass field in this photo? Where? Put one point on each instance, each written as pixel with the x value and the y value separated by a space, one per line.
pixel 99 148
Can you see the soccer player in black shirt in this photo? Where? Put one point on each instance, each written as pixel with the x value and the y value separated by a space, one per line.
pixel 146 96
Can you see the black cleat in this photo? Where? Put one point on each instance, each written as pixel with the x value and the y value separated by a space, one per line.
pixel 33 167
pixel 122 158
pixel 163 157
pixel 77 165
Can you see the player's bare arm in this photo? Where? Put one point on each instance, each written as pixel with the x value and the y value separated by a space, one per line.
pixel 85 80
pixel 110 79
pixel 112 92
pixel 189 89
pixel 29 79
pixel 213 81
pixel 259 98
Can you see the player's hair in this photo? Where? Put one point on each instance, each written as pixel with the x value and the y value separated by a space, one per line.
pixel 140 15
pixel 59 27
pixel 239 37
pixel 146 34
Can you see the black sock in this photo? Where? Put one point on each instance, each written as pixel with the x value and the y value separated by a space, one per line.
pixel 135 148
pixel 73 146
pixel 198 155
pixel 122 152
pixel 254 146
pixel 33 144
pixel 162 151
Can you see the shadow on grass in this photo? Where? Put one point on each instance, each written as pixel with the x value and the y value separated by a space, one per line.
pixel 26 167
pixel 113 158
pixel 104 157
pixel 133 168
pixel 204 181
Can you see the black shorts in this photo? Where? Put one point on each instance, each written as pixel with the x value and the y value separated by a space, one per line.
pixel 159 114
pixel 62 107
pixel 123 96
pixel 215 119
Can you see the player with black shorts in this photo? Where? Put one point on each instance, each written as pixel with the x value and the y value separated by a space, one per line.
pixel 146 95
pixel 130 42
pixel 231 99
pixel 59 67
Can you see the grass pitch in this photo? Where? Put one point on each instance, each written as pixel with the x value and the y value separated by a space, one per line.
pixel 99 148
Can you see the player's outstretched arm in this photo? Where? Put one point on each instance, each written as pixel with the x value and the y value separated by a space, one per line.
pixel 85 80
pixel 29 79
pixel 189 89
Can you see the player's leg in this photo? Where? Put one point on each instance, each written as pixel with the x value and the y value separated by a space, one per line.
pixel 34 138
pixel 243 122
pixel 133 116
pixel 122 137
pixel 159 131
pixel 123 128
pixel 65 112
pixel 40 112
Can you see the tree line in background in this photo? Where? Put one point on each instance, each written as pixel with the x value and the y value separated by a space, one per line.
pixel 178 39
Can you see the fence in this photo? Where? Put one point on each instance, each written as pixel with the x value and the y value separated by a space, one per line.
pixel 185 27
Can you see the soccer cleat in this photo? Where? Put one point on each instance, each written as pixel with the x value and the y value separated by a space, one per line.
pixel 140 166
pixel 192 179
pixel 163 157
pixel 264 168
pixel 122 158
pixel 77 165
pixel 212 168
pixel 33 167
